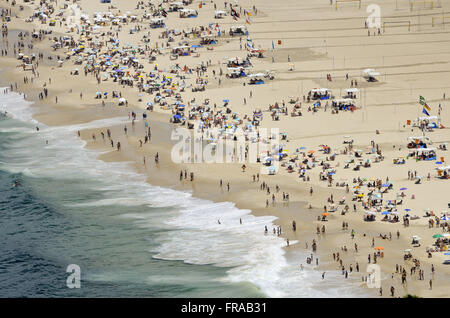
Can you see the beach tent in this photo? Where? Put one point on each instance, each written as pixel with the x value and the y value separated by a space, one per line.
pixel 188 13
pixel 351 92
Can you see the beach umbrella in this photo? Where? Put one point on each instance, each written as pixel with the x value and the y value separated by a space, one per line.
pixel 379 248
pixel 438 162
pixel 447 253
pixel 407 210
pixel 226 100
pixel 301 148
pixel 402 189
pixel 438 235
pixel 325 214
pixel 385 212
pixel 385 185
pixel 311 151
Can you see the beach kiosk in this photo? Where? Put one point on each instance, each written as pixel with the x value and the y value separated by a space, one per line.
pixel 207 39
pixel 370 75
pixel 319 94
pixel 429 121
pixel 183 50
pixel 344 104
pixel 188 13
pixel 237 61
pixel 424 154
pixel 418 142
pixel 236 72
pixel 156 23
pixel 175 6
pixel 256 79
pixel 237 30
pixel 351 93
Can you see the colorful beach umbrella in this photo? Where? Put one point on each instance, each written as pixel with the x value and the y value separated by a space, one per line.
pixel 438 235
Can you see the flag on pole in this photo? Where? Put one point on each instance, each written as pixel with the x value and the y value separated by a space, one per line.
pixel 421 100
pixel 425 112
pixel 425 105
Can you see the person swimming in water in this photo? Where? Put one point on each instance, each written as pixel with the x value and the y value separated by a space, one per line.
pixel 16 183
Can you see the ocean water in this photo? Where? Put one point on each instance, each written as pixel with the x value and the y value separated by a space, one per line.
pixel 130 239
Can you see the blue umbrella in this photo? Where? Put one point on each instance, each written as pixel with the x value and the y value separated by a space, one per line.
pixel 401 189
pixel 385 212
pixel 301 148
pixel 407 210
pixel 226 100
pixel 385 185
pixel 438 162
pixel 176 116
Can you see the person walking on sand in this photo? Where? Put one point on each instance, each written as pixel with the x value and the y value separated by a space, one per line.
pixel 311 191
pixel 323 275
pixel 392 291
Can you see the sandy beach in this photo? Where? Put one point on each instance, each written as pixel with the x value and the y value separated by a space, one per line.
pixel 343 150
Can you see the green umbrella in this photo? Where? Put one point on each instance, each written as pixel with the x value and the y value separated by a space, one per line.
pixel 438 235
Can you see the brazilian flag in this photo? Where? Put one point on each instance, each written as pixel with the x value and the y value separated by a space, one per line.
pixel 421 100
